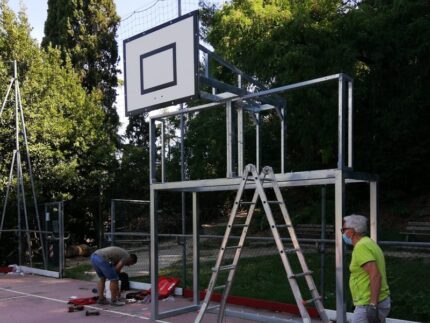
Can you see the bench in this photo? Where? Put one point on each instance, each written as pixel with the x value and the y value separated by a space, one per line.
pixel 417 228
pixel 313 231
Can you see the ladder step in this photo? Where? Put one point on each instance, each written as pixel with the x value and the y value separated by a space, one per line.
pixel 223 268
pixel 283 226
pixel 232 247
pixel 215 307
pixel 246 203
pixel 239 225
pixel 275 202
pixel 291 250
pixel 311 300
pixel 219 287
pixel 300 274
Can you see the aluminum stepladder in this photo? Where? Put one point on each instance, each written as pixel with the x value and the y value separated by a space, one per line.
pixel 266 180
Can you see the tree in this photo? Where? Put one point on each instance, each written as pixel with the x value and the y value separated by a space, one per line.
pixel 384 45
pixel 68 142
pixel 86 31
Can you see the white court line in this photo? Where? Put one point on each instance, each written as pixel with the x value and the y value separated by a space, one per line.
pixel 93 307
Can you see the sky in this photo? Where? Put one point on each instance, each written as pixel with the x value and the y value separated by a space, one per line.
pixel 37 12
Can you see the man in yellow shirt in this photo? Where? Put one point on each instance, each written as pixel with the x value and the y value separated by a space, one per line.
pixel 368 279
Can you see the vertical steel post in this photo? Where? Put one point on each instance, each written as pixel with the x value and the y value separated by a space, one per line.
pixel 24 208
pixel 322 245
pixel 229 136
pixel 206 64
pixel 45 212
pixel 339 214
pixel 374 210
pixel 283 148
pixel 152 152
pixel 154 253
pixel 257 141
pixel 18 162
pixel 163 151
pixel 61 241
pixel 350 125
pixel 153 221
pixel 112 222
pixel 196 250
pixel 240 142
pixel 341 142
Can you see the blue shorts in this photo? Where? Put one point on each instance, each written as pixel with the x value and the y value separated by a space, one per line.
pixel 103 268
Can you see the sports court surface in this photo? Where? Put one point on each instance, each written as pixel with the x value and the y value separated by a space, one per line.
pixel 32 298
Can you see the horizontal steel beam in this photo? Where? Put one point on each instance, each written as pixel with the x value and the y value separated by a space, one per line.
pixel 307 178
pixel 131 201
pixel 285 88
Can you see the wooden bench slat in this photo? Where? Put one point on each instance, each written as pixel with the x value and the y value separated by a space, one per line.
pixel 417 228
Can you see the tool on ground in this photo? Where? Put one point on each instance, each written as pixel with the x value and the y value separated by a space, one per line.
pixel 92 313
pixel 75 308
pixel 83 301
pixel 261 182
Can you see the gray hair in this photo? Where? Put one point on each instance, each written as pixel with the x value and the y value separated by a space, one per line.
pixel 356 222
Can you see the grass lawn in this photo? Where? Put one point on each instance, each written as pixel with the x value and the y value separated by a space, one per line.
pixel 264 278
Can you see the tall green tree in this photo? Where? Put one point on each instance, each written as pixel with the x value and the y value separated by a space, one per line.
pixel 68 142
pixel 86 30
pixel 384 45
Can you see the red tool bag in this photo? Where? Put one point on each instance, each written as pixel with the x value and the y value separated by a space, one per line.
pixel 166 287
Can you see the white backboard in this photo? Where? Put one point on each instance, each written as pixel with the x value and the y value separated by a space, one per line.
pixel 161 65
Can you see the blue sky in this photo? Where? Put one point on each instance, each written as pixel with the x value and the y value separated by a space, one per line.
pixel 37 11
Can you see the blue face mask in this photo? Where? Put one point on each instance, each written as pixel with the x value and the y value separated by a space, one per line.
pixel 346 239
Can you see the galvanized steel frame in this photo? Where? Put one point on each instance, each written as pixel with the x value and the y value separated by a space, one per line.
pixel 339 177
pixel 61 235
pixel 20 128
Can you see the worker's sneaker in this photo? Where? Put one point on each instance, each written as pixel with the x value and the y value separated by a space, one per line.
pixel 117 302
pixel 103 301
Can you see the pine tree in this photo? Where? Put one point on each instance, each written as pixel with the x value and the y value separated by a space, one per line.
pixel 86 29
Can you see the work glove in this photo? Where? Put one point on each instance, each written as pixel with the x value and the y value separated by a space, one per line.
pixel 372 313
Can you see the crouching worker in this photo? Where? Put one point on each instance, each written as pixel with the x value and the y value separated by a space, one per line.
pixel 108 262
